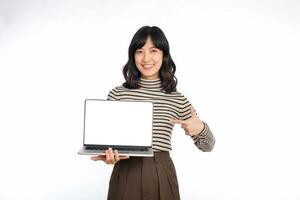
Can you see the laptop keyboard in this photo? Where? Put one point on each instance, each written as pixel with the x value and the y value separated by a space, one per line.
pixel 119 148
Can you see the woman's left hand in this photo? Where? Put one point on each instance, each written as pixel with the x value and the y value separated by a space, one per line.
pixel 192 126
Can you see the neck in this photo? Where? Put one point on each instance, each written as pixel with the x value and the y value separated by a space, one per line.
pixel 150 83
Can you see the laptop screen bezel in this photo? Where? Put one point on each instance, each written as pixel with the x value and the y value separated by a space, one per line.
pixel 135 146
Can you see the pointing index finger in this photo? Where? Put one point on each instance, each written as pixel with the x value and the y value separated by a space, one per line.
pixel 177 121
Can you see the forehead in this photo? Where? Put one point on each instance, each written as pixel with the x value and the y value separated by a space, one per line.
pixel 148 43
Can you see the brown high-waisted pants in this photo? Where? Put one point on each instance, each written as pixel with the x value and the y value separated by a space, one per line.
pixel 144 178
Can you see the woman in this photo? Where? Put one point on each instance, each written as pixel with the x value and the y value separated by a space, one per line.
pixel 150 76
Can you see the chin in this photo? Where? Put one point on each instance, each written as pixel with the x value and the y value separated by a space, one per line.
pixel 148 74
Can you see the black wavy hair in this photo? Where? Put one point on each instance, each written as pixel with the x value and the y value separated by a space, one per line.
pixel 168 68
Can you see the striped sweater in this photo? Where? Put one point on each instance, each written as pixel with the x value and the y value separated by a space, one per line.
pixel 166 107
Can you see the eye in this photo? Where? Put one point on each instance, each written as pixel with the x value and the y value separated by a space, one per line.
pixel 154 50
pixel 139 51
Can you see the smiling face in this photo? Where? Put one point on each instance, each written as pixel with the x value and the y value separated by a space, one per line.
pixel 148 60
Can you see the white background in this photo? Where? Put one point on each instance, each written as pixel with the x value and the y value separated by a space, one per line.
pixel 236 62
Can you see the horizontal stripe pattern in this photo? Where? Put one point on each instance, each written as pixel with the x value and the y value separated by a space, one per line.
pixel 166 107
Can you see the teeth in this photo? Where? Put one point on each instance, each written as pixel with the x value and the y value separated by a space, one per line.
pixel 147 66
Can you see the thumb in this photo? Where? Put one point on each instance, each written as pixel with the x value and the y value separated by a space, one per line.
pixel 193 112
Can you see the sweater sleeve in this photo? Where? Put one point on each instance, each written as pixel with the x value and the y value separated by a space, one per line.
pixel 205 140
pixel 113 95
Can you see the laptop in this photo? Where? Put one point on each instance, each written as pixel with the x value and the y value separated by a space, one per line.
pixel 125 126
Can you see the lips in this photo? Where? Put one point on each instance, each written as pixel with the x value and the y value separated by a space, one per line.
pixel 148 66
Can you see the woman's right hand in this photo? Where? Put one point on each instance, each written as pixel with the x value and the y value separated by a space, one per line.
pixel 110 157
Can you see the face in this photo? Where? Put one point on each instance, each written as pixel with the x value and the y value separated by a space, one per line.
pixel 148 60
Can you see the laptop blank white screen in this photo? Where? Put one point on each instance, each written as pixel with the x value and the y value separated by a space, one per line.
pixel 118 123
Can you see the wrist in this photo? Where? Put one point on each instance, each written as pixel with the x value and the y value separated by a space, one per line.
pixel 201 128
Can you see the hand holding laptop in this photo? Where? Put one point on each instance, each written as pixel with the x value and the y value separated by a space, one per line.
pixel 110 157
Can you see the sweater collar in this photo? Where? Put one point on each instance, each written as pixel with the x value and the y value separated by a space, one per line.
pixel 150 84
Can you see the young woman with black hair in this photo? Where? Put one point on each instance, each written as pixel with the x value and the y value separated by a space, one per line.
pixel 150 76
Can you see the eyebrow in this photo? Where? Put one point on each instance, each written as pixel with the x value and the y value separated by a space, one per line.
pixel 152 47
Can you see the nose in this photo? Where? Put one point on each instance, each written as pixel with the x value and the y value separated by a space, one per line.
pixel 146 56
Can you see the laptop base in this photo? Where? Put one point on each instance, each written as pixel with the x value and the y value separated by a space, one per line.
pixel 148 153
